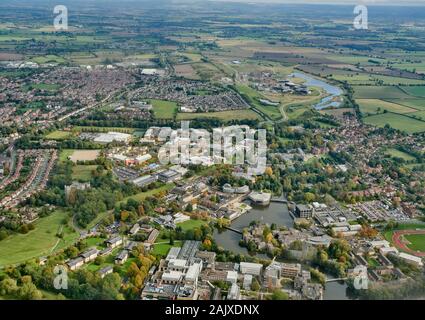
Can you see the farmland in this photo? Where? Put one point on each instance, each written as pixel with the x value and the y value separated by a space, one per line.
pixel 396 121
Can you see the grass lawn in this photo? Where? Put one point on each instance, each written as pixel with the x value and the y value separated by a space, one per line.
pixel 191 224
pixel 50 58
pixel 396 121
pixel 417 242
pixel 399 154
pixel 222 115
pixel 403 226
pixel 379 92
pixel 83 172
pixel 143 195
pixel 163 109
pixel 373 106
pixel 418 91
pixel 38 242
pixel 43 86
pixel 64 154
pixel 252 96
pixel 58 135
pixel 163 248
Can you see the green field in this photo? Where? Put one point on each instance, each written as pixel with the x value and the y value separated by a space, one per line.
pixel 83 172
pixel 222 115
pixel 38 242
pixel 418 91
pixel 379 92
pixel 58 135
pixel 64 154
pixel 396 121
pixel 163 247
pixel 252 97
pixel 143 195
pixel 417 242
pixel 373 106
pixel 191 224
pixel 47 59
pixel 42 86
pixel 404 226
pixel 399 154
pixel 163 109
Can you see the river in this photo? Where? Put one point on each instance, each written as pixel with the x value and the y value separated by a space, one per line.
pixel 274 213
pixel 332 91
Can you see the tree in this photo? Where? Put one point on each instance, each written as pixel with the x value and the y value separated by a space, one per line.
pixel 278 295
pixel 255 286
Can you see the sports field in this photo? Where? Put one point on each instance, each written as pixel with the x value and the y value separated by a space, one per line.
pixel 410 241
pixel 163 109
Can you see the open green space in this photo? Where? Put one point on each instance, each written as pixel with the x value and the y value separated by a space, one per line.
pixel 143 195
pixel 417 242
pixel 222 115
pixel 163 109
pixel 396 121
pixel 42 86
pixel 83 172
pixel 191 224
pixel 50 58
pixel 252 97
pixel 163 247
pixel 395 153
pixel 58 135
pixel 38 242
pixel 379 92
pixel 418 91
pixel 373 106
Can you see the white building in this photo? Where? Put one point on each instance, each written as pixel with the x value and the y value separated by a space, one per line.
pixel 113 137
pixel 251 268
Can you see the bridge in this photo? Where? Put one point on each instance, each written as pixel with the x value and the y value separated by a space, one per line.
pixel 233 229
pixel 336 279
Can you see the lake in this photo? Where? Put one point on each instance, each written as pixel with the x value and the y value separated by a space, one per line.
pixel 332 91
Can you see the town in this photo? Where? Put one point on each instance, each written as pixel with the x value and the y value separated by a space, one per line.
pixel 187 159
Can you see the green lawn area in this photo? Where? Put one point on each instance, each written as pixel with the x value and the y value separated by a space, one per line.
pixel 191 224
pixel 163 248
pixel 252 96
pixel 373 106
pixel 399 154
pixel 396 121
pixel 372 262
pixel 379 92
pixel 222 115
pixel 83 172
pixel 58 135
pixel 417 242
pixel 418 91
pixel 404 226
pixel 64 154
pixel 50 58
pixel 143 195
pixel 38 242
pixel 42 86
pixel 163 109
